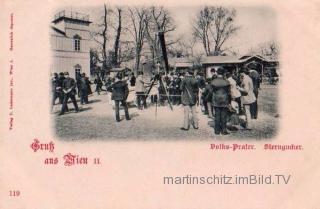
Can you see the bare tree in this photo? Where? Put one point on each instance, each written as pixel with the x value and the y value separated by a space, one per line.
pixel 126 51
pixel 159 20
pixel 116 47
pixel 269 49
pixel 100 36
pixel 185 47
pixel 94 60
pixel 201 28
pixel 138 16
pixel 213 27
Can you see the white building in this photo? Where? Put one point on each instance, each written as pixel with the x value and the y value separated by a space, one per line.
pixel 70 43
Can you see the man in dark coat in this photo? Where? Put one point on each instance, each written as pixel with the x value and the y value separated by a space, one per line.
pixel 255 76
pixel 174 90
pixel 69 90
pixel 133 80
pixel 55 88
pixel 61 79
pixel 120 92
pixel 98 83
pixel 83 88
pixel 221 100
pixel 207 98
pixel 177 90
pixel 189 98
pixel 88 82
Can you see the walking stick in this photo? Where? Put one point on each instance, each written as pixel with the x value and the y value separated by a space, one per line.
pixel 156 108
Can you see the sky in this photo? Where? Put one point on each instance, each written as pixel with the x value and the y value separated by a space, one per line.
pixel 258 25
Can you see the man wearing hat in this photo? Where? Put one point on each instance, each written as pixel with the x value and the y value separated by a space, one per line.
pixel 248 98
pixel 55 88
pixel 84 89
pixel 189 98
pixel 120 92
pixel 69 90
pixel 60 80
pixel 255 76
pixel 140 91
pixel 176 89
pixel 207 98
pixel 221 99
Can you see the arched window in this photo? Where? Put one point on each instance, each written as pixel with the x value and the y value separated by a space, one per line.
pixel 77 43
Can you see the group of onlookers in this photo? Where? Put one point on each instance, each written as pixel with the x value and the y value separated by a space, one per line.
pixel 228 96
pixel 65 87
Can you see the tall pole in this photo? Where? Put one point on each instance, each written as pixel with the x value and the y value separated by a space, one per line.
pixel 164 51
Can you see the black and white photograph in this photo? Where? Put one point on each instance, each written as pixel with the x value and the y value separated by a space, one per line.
pixel 164 73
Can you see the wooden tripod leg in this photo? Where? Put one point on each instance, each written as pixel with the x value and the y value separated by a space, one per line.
pixel 165 89
pixel 152 84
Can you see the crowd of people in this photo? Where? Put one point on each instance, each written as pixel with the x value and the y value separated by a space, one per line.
pixel 228 97
pixel 65 87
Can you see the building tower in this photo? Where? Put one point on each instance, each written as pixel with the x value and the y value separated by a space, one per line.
pixel 70 43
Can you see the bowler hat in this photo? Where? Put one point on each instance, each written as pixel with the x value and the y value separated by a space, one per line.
pixel 220 70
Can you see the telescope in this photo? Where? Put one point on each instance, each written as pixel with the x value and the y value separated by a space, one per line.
pixel 158 77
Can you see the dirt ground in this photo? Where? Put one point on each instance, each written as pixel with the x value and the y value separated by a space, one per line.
pixel 96 121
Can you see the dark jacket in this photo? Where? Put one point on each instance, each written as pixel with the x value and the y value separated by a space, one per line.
pixel 55 84
pixel 221 96
pixel 255 76
pixel 133 81
pixel 120 91
pixel 189 88
pixel 69 84
pixel 98 81
pixel 177 84
pixel 201 82
pixel 83 84
pixel 88 83
pixel 207 93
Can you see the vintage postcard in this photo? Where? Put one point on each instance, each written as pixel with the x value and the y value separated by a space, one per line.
pixel 159 104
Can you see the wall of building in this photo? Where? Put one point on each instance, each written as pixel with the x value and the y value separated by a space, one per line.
pixel 64 56
pixel 67 61
pixel 60 43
